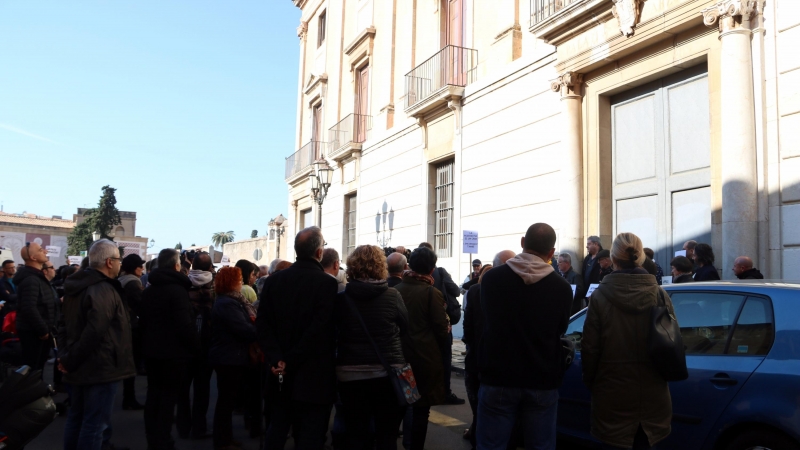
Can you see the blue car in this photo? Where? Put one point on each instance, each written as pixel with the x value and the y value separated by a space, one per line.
pixel 742 344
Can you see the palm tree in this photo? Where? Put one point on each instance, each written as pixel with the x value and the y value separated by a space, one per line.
pixel 221 238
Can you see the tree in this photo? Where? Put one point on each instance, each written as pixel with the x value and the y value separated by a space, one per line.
pixel 221 238
pixel 193 244
pixel 254 234
pixel 179 247
pixel 101 219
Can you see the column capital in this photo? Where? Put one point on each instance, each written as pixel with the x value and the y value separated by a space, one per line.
pixel 730 14
pixel 569 84
pixel 302 31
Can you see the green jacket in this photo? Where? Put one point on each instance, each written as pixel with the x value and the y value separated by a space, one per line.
pixel 427 336
pixel 626 389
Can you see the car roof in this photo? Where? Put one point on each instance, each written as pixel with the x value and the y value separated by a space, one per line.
pixel 737 284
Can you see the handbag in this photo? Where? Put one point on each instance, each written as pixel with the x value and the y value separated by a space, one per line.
pixel 665 344
pixel 403 381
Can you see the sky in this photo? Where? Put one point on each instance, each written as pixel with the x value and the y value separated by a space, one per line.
pixel 186 107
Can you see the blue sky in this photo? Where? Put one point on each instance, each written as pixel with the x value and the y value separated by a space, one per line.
pixel 186 107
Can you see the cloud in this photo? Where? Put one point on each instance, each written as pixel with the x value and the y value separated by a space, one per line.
pixel 25 133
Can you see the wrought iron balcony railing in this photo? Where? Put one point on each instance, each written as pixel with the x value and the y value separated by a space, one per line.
pixel 542 9
pixel 301 159
pixel 353 129
pixel 454 66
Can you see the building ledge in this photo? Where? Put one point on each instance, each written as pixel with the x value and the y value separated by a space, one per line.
pixel 314 81
pixel 434 101
pixel 345 151
pixel 299 176
pixel 367 33
pixel 572 20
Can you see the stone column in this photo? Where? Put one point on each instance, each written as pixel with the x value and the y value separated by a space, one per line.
pixel 739 178
pixel 570 85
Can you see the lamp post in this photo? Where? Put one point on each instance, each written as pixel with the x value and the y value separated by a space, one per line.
pixel 320 180
pixel 279 230
pixel 382 237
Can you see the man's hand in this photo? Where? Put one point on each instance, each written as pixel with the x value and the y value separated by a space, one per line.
pixel 280 369
pixel 45 337
pixel 61 367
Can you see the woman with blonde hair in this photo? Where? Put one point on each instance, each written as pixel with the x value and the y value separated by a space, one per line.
pixel 631 404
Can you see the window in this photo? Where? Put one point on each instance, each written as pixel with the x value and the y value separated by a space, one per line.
pixel 443 237
pixel 272 235
pixel 349 224
pixel 754 331
pixel 706 320
pixel 321 30
pixel 575 331
pixel 305 218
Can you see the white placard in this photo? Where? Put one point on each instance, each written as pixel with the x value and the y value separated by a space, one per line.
pixel 53 251
pixel 680 253
pixel 666 280
pixel 470 242
pixel 592 287
pixel 226 261
pixel 574 287
pixel 75 260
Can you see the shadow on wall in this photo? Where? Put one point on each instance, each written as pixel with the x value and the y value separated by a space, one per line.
pixel 382 233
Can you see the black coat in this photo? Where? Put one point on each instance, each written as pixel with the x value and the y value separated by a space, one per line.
pixel 295 325
pixel 394 281
pixel 37 305
pixel 683 279
pixel 751 274
pixel 450 290
pixel 232 334
pixel 94 338
pixel 706 273
pixel 9 294
pixel 473 327
pixel 385 315
pixel 168 324
pixel 593 277
pixel 521 344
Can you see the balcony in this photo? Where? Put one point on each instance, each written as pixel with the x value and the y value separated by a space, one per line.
pixel 346 137
pixel 298 164
pixel 441 77
pixel 542 9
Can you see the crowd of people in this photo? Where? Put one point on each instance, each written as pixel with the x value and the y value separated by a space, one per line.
pixel 290 342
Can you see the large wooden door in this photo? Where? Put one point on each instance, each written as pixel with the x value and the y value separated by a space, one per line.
pixel 362 105
pixel 661 163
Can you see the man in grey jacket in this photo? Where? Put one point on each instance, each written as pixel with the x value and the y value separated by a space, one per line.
pixel 95 348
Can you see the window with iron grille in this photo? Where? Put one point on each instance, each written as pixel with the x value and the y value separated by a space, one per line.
pixel 443 237
pixel 350 221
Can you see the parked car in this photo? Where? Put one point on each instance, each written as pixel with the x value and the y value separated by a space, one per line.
pixel 742 344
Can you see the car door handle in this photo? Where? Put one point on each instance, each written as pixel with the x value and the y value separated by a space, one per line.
pixel 723 379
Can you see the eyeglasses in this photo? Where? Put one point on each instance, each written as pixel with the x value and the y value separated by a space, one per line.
pixel 116 259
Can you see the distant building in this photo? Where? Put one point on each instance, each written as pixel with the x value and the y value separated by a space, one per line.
pixel 268 245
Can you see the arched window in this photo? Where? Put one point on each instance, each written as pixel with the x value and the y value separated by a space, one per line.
pixel 120 231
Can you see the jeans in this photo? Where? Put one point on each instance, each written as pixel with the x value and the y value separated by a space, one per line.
pixel 89 417
pixel 366 402
pixel 229 378
pixel 415 426
pixel 191 418
pixel 164 378
pixel 308 421
pixel 500 407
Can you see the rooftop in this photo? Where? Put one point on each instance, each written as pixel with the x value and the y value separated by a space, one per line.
pixel 33 219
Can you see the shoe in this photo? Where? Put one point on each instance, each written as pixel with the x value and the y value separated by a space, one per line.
pixel 467 434
pixel 131 405
pixel 451 399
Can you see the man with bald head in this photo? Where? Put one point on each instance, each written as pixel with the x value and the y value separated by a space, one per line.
pixel 744 270
pixel 397 264
pixel 37 306
pixel 295 331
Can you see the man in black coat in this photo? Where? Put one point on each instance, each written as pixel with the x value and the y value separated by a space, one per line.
pixel 526 310
pixel 590 270
pixel 396 264
pixel 36 307
pixel 8 290
pixel 296 334
pixel 744 270
pixel 169 340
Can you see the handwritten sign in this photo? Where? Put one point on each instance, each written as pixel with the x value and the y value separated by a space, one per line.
pixel 470 242
pixel 53 251
pixel 680 253
pixel 75 260
pixel 574 288
pixel 592 287
pixel 226 261
pixel 666 280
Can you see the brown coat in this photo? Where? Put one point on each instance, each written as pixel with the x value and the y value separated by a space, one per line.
pixel 427 335
pixel 626 389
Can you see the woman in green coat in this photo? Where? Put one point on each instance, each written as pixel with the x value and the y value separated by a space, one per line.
pixel 427 336
pixel 631 405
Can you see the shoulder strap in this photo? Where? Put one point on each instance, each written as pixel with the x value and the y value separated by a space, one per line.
pixel 352 305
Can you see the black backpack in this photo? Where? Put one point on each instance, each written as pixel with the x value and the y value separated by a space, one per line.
pixel 26 407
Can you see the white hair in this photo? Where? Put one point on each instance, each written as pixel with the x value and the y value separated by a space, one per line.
pixel 101 251
pixel 274 265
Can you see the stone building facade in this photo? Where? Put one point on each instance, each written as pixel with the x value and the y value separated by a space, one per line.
pixel 673 119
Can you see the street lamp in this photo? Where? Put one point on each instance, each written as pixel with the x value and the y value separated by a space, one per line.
pixel 96 236
pixel 320 180
pixel 279 230
pixel 384 240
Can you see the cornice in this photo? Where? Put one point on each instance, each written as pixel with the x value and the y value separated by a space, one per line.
pixel 367 33
pixel 314 81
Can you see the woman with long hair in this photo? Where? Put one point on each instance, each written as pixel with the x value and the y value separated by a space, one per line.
pixel 233 330
pixel 365 389
pixel 704 258
pixel 631 405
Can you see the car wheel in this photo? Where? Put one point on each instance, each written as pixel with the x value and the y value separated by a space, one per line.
pixel 760 439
